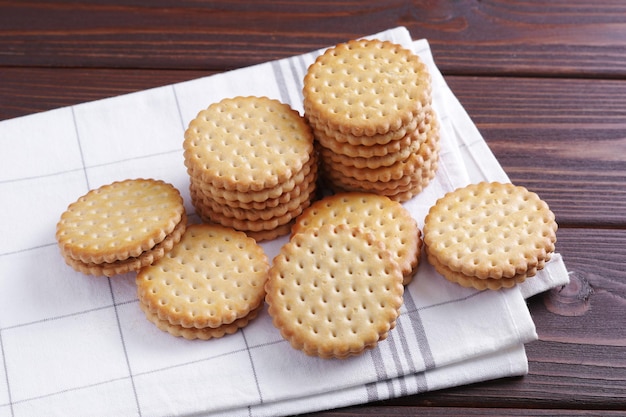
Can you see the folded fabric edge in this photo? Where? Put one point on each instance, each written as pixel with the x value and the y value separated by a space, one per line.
pixel 510 362
pixel 554 275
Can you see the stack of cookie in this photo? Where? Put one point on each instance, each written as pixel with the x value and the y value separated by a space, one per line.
pixel 121 227
pixel 489 235
pixel 369 104
pixel 209 285
pixel 252 165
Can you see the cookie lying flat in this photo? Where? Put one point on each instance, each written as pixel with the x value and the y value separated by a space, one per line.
pixel 247 144
pixel 126 223
pixel 387 220
pixel 334 291
pixel 245 156
pixel 490 231
pixel 213 277
pixel 366 87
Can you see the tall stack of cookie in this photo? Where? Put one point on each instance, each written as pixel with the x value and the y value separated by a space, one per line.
pixel 252 165
pixel 369 104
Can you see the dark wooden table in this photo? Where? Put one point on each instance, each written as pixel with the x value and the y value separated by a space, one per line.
pixel 545 82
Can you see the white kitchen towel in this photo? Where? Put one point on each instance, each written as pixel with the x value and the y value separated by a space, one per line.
pixel 77 345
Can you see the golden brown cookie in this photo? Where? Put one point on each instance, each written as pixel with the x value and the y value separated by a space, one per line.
pixel 366 87
pixel 134 263
pixel 375 162
pixel 334 291
pixel 479 283
pixel 401 189
pixel 361 151
pixel 212 277
pixel 400 193
pixel 416 187
pixel 490 231
pixel 244 225
pixel 247 144
pixel 299 199
pixel 119 220
pixel 387 220
pixel 263 235
pixel 205 333
pixel 348 140
pixel 399 169
pixel 416 139
pixel 260 198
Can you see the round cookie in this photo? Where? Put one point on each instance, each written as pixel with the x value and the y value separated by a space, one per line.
pixel 343 139
pixel 416 139
pixel 205 333
pixel 490 231
pixel 479 283
pixel 134 263
pixel 212 277
pixel 387 220
pixel 400 192
pixel 296 200
pixel 394 172
pixel 366 87
pixel 265 197
pixel 119 220
pixel 418 169
pixel 374 162
pixel 334 291
pixel 361 151
pixel 247 144
pixel 251 225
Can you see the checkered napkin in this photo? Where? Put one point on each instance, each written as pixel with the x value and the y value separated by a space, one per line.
pixel 76 345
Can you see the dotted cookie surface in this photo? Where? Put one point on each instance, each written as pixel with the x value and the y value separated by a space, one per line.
pixel 387 220
pixel 366 87
pixel 119 221
pixel 247 144
pixel 490 230
pixel 212 277
pixel 334 291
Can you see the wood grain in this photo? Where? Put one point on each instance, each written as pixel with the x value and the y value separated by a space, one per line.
pixel 456 412
pixel 31 90
pixel 581 39
pixel 563 138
